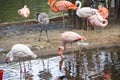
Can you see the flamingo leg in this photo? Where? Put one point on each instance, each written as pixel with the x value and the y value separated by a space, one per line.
pixel 20 69
pixel 47 35
pixel 40 31
pixel 63 20
pixel 24 69
pixel 87 21
pixel 72 50
pixel 80 49
pixel 30 65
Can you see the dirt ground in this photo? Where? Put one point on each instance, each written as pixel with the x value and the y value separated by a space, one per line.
pixel 108 37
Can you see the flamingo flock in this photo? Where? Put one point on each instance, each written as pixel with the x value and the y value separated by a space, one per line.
pixel 96 17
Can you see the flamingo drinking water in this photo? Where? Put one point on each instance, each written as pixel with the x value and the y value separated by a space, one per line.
pixel 19 51
pixel 68 37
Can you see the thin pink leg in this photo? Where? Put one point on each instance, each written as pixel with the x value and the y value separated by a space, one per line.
pixel 20 70
pixel 63 20
pixel 72 51
pixel 24 69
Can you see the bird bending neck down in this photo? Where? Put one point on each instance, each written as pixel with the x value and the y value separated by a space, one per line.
pixel 68 37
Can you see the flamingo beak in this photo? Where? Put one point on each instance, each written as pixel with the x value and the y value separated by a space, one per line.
pixel 6 60
pixel 60 53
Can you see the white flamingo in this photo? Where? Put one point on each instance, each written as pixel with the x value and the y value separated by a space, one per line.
pixel 43 19
pixel 19 51
pixel 84 12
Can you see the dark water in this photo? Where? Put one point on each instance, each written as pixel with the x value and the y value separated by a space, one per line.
pixel 8 9
pixel 90 65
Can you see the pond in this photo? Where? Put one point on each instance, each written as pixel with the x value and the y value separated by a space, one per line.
pixel 8 9
pixel 90 65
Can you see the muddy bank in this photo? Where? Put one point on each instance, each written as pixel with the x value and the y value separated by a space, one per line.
pixel 13 34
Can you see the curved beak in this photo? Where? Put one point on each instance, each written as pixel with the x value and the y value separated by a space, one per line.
pixel 60 53
pixel 6 60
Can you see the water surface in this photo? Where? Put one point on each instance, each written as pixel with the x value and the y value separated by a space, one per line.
pixel 90 65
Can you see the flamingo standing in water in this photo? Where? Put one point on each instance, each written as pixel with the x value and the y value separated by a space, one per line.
pixel 61 6
pixel 24 12
pixel 68 37
pixel 19 51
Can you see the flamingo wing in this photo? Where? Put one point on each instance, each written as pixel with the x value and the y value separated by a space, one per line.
pixel 65 5
pixel 20 50
pixel 69 37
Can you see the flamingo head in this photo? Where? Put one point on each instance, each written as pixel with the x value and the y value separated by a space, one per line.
pixel 7 60
pixel 9 57
pixel 60 48
pixel 83 38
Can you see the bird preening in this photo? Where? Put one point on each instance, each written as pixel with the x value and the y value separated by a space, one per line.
pixel 24 12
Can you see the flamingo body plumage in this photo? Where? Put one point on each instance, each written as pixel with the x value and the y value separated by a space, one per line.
pixel 24 12
pixel 68 37
pixel 97 20
pixel 59 6
pixel 84 12
pixel 103 12
pixel 19 51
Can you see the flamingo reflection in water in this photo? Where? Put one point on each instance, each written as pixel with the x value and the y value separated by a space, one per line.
pixel 91 66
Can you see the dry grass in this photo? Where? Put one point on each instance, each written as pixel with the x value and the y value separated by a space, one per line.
pixel 106 38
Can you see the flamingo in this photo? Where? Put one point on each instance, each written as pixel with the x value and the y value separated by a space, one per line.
pixel 24 12
pixel 84 12
pixel 103 12
pixel 68 37
pixel 98 20
pixel 43 19
pixel 61 6
pixel 19 51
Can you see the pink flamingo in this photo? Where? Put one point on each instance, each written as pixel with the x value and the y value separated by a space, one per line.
pixel 68 37
pixel 19 51
pixel 97 20
pixel 25 13
pixel 103 12
pixel 61 6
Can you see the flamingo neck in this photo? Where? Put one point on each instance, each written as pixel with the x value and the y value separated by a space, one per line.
pixel 79 4
pixel 60 53
pixel 9 56
pixel 104 23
